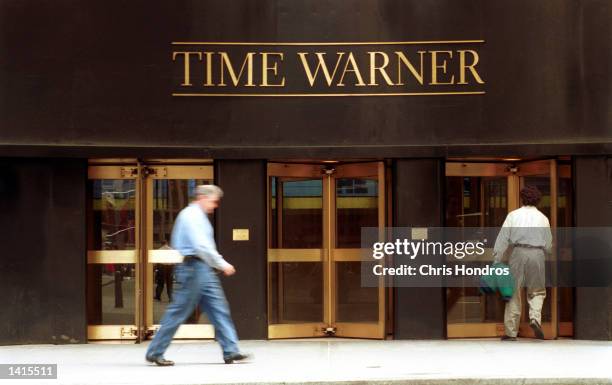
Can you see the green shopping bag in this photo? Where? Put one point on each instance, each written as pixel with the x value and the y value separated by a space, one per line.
pixel 490 283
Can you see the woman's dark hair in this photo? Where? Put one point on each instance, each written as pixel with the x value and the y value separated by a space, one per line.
pixel 530 195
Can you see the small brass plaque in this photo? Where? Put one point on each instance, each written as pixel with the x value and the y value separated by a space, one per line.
pixel 419 233
pixel 240 234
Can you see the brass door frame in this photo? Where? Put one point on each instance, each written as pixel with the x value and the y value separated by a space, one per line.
pixel 376 171
pixel 119 332
pixel 328 254
pixel 143 256
pixel 153 256
pixel 514 173
pixel 566 328
pixel 280 254
pixel 467 169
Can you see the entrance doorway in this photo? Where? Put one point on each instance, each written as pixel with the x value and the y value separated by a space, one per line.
pixel 481 195
pixel 315 216
pixel 130 213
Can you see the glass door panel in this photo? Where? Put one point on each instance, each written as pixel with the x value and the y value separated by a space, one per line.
pixel 295 299
pixel 357 202
pixel 297 305
pixel 356 207
pixel 475 201
pixel 314 258
pixel 112 244
pixel 482 195
pixel 169 190
pixel 354 303
pixel 130 265
pixel 296 269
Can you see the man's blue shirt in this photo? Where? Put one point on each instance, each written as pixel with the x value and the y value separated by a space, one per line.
pixel 194 235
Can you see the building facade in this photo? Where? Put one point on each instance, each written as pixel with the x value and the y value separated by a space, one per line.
pixel 317 118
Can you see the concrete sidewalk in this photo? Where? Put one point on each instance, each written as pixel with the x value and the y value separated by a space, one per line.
pixel 330 361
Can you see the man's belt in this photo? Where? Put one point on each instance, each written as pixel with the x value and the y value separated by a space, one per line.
pixel 187 258
pixel 525 246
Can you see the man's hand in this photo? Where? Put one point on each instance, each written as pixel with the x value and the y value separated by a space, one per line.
pixel 229 270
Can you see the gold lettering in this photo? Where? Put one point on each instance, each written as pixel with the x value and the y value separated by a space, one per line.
pixel 462 66
pixel 435 66
pixel 274 68
pixel 187 72
pixel 209 65
pixel 401 58
pixel 248 62
pixel 351 60
pixel 381 69
pixel 322 64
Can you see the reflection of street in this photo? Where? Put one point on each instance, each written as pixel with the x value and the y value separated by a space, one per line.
pixel 114 229
pixel 164 277
pixel 114 293
pixel 124 292
pixel 112 286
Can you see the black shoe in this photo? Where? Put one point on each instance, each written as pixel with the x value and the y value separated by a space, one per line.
pixel 236 357
pixel 537 329
pixel 160 361
pixel 508 338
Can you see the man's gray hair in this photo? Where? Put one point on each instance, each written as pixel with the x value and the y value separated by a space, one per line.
pixel 209 190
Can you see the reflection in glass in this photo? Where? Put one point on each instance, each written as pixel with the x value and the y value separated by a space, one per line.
pixel 468 305
pixel 164 276
pixel 111 226
pixel 296 292
pixel 170 196
pixel 111 292
pixel 299 223
pixel 296 218
pixel 475 202
pixel 356 207
pixel 113 219
pixel 164 279
pixel 354 303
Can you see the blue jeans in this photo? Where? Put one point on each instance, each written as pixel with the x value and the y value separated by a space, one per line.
pixel 198 284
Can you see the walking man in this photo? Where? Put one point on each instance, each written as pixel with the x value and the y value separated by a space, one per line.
pixel 192 237
pixel 528 231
